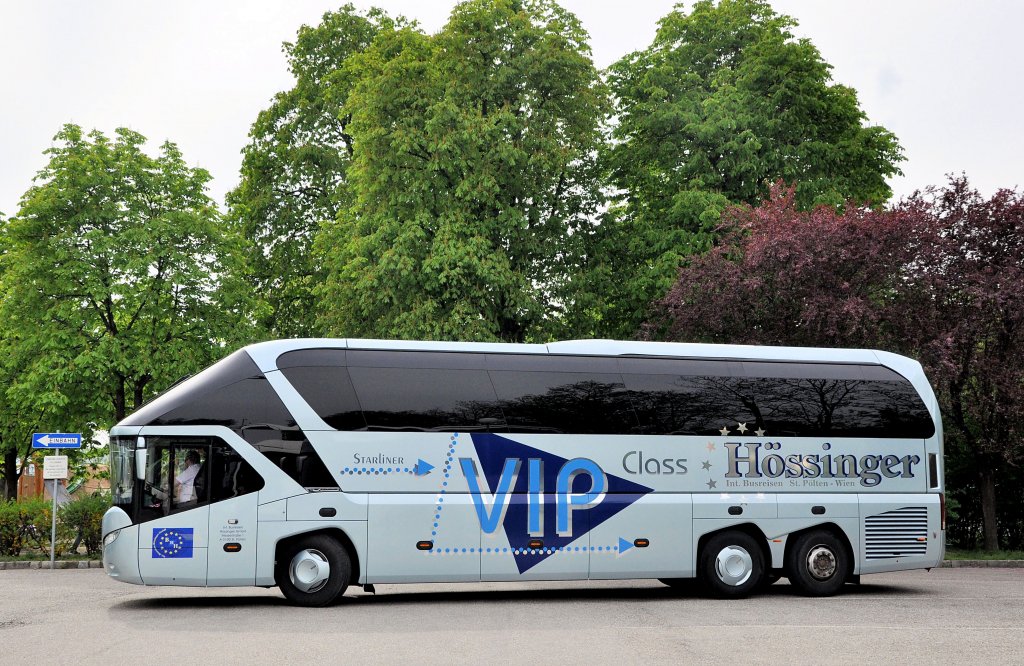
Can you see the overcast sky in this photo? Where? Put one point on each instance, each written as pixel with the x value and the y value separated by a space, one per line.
pixel 945 76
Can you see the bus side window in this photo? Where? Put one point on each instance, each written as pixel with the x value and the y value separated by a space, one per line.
pixel 439 399
pixel 328 390
pixel 567 402
pixel 230 475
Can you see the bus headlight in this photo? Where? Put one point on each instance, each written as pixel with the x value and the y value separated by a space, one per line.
pixel 110 538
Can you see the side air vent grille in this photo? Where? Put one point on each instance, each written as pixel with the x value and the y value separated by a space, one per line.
pixel 898 533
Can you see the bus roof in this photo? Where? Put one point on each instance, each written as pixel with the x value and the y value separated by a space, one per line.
pixel 266 353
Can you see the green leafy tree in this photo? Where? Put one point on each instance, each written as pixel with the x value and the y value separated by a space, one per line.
pixel 117 278
pixel 726 99
pixel 294 169
pixel 723 103
pixel 474 167
pixel 631 261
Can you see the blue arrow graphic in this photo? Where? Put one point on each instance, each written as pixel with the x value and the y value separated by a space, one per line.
pixel 624 545
pixel 422 467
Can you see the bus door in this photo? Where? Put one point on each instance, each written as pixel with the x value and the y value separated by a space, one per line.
pixel 230 485
pixel 174 537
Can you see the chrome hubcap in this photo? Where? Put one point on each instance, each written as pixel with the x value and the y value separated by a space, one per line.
pixel 734 565
pixel 309 570
pixel 821 562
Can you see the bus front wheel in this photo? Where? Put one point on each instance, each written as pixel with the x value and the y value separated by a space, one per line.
pixel 818 563
pixel 313 570
pixel 731 565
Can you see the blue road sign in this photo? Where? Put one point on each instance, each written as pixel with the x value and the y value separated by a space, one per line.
pixel 56 440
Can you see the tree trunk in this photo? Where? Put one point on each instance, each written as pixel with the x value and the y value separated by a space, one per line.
pixel 10 479
pixel 990 525
pixel 119 401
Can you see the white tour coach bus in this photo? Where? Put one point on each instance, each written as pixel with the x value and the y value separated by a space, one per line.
pixel 315 464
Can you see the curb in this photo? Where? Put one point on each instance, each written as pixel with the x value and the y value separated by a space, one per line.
pixel 983 564
pixel 45 564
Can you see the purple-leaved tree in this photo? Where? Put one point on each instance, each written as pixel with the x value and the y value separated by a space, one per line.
pixel 939 277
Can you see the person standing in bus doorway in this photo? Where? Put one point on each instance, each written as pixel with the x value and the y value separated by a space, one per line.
pixel 184 483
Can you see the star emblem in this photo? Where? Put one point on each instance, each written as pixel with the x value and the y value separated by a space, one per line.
pixel 707 464
pixel 710 446
pixel 742 428
pixel 724 430
pixel 711 484
pixel 759 432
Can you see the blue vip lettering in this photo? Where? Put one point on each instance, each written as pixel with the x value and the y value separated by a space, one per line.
pixel 746 461
pixel 491 508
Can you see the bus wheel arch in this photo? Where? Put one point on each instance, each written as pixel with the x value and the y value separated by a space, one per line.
pixel 819 560
pixel 315 568
pixel 732 562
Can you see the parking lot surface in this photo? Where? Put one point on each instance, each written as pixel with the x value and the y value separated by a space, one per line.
pixel 945 616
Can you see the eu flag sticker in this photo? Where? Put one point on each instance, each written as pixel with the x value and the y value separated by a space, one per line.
pixel 172 542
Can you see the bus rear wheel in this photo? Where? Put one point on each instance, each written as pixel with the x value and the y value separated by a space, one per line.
pixel 731 565
pixel 818 563
pixel 313 570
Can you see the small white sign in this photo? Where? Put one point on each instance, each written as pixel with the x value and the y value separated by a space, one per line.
pixel 55 467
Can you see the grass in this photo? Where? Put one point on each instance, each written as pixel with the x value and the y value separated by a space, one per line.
pixel 964 554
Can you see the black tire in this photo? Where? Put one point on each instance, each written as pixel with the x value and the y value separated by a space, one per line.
pixel 731 565
pixel 309 557
pixel 818 563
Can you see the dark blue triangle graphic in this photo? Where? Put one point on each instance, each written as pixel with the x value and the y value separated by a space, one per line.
pixel 492 451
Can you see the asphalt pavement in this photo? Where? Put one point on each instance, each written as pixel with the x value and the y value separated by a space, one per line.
pixel 946 616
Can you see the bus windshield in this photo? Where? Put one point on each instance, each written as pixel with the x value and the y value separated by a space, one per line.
pixel 122 470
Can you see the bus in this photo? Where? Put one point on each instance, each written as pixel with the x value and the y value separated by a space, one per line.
pixel 316 464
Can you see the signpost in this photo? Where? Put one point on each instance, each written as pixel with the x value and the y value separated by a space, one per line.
pixel 56 440
pixel 55 467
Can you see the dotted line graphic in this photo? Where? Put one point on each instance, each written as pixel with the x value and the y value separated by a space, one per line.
pixel 378 470
pixel 523 551
pixel 444 483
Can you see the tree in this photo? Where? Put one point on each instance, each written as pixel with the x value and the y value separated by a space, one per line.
pixel 293 174
pixel 117 279
pixel 726 100
pixel 630 262
pixel 474 167
pixel 782 276
pixel 723 103
pixel 973 342
pixel 939 277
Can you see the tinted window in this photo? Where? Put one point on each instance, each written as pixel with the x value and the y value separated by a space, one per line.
pixel 299 460
pixel 250 407
pixel 328 390
pixel 425 399
pixel 236 367
pixel 311 357
pixel 415 359
pixel 568 402
pixel 683 405
pixel 780 399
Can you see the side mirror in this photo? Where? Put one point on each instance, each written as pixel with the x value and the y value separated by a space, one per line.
pixel 140 459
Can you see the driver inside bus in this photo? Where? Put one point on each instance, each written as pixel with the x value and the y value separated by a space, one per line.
pixel 184 483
